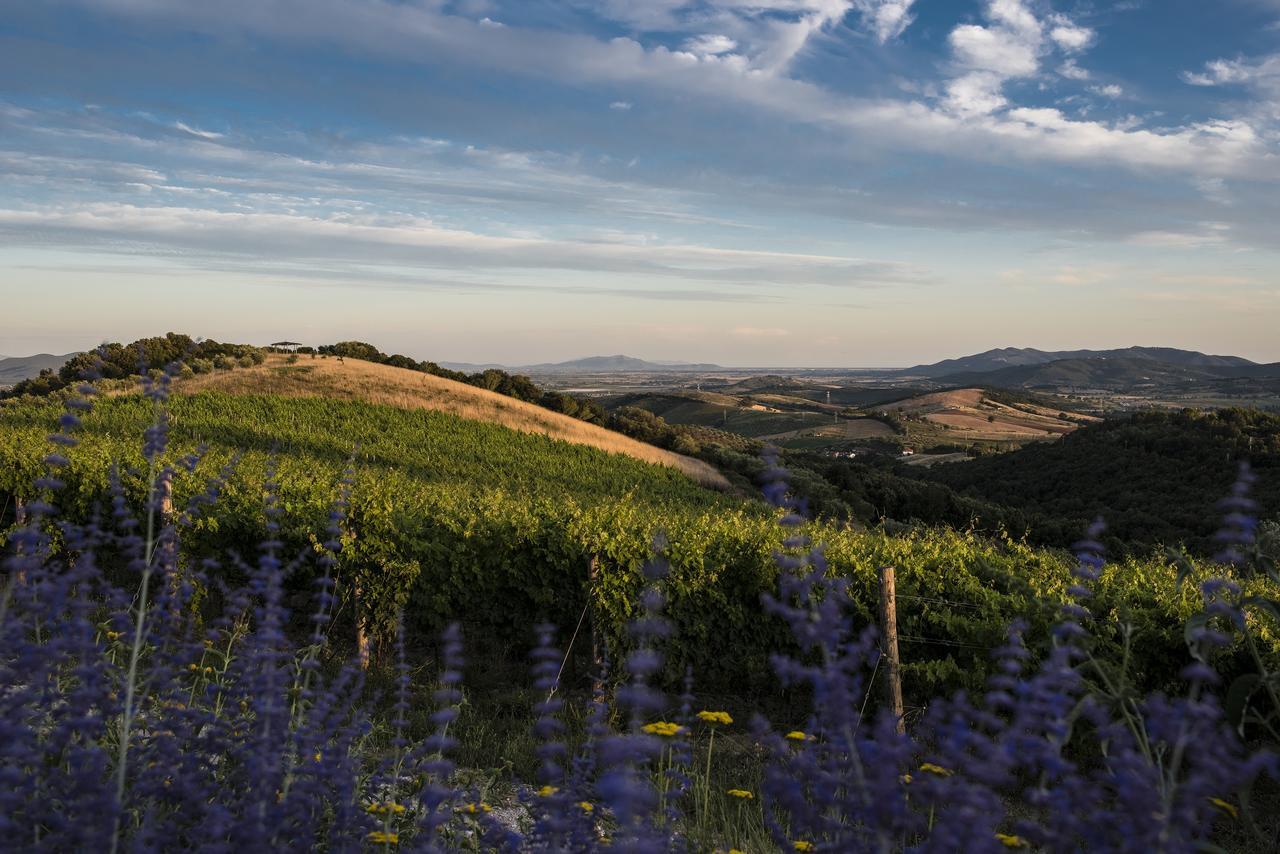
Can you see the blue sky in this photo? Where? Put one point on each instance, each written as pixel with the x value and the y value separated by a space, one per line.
pixel 751 182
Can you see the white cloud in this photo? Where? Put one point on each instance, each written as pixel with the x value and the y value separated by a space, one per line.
pixel 1219 72
pixel 1071 71
pixel 975 94
pixel 1010 46
pixel 1069 36
pixel 887 19
pixel 620 105
pixel 1016 17
pixel 203 134
pixel 763 36
pixel 1111 90
pixel 998 50
pixel 710 45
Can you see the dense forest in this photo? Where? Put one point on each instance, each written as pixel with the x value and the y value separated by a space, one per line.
pixel 1154 477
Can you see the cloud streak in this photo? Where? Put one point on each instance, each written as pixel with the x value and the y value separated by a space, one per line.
pixel 279 239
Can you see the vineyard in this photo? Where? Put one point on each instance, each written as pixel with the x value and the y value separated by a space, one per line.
pixel 461 520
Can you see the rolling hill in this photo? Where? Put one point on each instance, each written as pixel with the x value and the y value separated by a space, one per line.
pixel 1017 357
pixel 355 379
pixel 1117 373
pixel 616 364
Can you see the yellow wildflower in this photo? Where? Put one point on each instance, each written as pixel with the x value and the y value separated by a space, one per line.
pixel 905 779
pixel 473 809
pixel 586 806
pixel 664 728
pixel 1009 840
pixel 193 667
pixel 207 643
pixel 1226 806
pixel 316 757
pixel 388 808
pixel 801 845
pixel 113 636
pixel 547 791
pixel 797 735
pixel 208 670
pixel 736 851
pixel 381 838
pixel 715 717
pixel 740 793
pixel 936 769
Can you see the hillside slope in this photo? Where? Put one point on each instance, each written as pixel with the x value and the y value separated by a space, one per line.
pixel 1116 373
pixel 1015 357
pixel 1154 476
pixel 354 379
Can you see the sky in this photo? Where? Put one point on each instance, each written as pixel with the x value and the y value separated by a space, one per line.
pixel 749 182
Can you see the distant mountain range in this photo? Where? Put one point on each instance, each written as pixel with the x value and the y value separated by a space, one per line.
pixel 1013 357
pixel 1129 368
pixel 15 369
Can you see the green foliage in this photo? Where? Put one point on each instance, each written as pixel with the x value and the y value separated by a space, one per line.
pixel 121 361
pixel 468 520
pixel 1153 476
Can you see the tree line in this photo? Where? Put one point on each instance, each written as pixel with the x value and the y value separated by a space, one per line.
pixel 115 361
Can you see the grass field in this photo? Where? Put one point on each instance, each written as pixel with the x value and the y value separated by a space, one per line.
pixel 354 379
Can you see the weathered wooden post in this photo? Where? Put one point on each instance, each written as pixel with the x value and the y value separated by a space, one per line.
pixel 889 645
pixel 166 498
pixel 362 628
pixel 166 544
pixel 597 641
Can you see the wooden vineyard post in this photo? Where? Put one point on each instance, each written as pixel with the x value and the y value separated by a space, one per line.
pixel 889 645
pixel 20 519
pixel 597 642
pixel 167 560
pixel 362 629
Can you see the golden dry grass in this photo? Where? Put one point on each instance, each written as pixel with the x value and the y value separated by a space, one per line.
pixel 353 379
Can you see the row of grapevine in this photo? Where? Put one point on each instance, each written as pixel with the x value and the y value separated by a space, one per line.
pixel 456 519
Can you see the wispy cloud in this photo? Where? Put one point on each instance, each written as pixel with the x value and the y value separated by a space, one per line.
pixel 279 238
pixel 203 134
pixel 887 19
